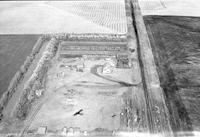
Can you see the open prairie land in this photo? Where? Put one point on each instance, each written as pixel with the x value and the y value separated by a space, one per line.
pixel 176 46
pixel 13 51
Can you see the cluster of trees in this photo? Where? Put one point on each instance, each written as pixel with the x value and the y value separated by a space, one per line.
pixel 88 37
pixel 35 82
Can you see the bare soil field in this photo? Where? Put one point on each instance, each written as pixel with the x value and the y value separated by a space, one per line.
pixel 13 51
pixel 89 100
pixel 175 42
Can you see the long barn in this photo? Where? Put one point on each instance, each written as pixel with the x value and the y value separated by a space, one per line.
pixel 69 49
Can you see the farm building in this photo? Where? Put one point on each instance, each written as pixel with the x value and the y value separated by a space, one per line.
pixel 68 49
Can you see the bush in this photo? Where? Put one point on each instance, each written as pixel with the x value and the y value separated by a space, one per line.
pixel 37 46
pixel 26 64
pixel 22 111
pixel 89 37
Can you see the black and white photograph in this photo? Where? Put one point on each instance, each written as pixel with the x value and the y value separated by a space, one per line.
pixel 100 68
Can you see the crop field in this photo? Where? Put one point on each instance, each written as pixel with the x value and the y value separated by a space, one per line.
pixel 109 14
pixel 175 42
pixel 62 16
pixel 13 51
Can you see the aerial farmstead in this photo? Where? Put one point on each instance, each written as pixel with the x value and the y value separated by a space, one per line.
pixel 124 74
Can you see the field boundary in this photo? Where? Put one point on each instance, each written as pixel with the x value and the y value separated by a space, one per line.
pixel 19 75
pixel 159 122
pixel 36 80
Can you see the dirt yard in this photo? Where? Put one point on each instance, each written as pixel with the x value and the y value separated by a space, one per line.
pixel 87 99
